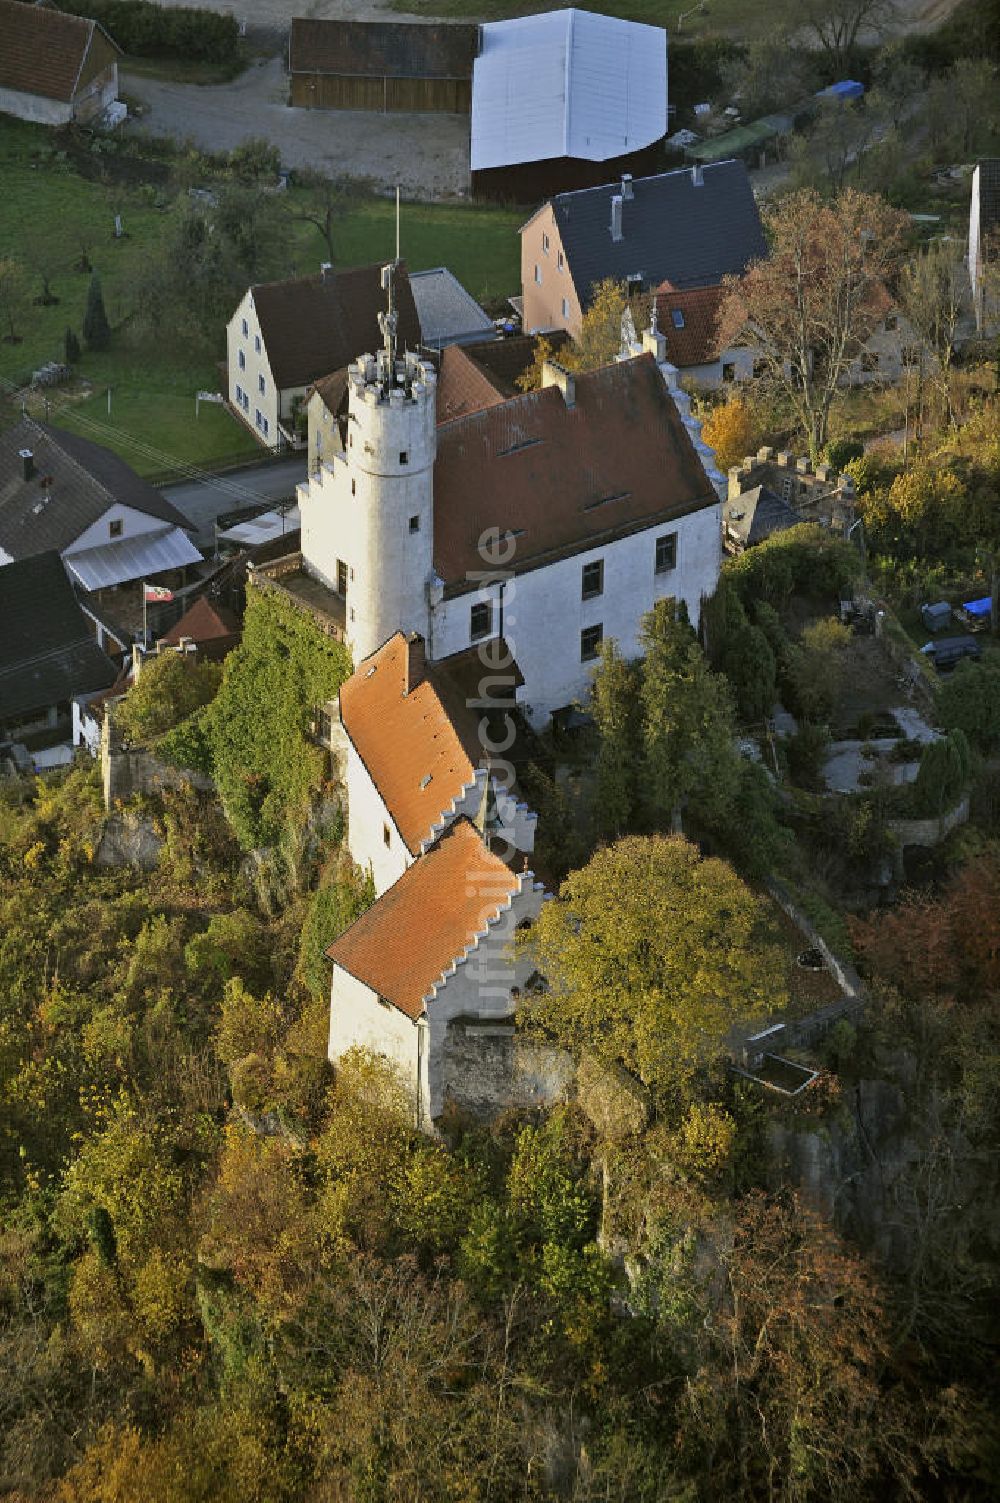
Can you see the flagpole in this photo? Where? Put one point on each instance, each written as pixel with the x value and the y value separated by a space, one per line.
pixel 144 636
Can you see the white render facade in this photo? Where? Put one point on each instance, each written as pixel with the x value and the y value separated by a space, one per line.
pixel 252 391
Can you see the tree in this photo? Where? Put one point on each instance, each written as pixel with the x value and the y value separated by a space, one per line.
pixel 811 306
pixel 750 667
pixel 961 105
pixel 969 701
pixel 255 160
pixel 651 954
pixel 615 707
pixel 840 134
pixel 931 294
pixel 836 25
pixel 71 347
pixel 170 688
pixel 530 378
pixel 600 339
pixel 13 298
pixel 322 202
pixel 688 728
pixel 943 774
pixel 730 430
pixel 96 329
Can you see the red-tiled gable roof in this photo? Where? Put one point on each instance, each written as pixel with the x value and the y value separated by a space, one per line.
pixel 463 386
pixel 696 342
pixel 417 747
pixel 204 622
pixel 407 940
pixel 316 324
pixel 42 51
pixel 561 478
pixel 382 49
pixel 333 389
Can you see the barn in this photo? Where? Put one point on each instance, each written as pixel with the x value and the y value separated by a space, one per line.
pixel 564 100
pixel 382 65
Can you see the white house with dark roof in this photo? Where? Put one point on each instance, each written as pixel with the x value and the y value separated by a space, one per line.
pixel 984 239
pixel 109 526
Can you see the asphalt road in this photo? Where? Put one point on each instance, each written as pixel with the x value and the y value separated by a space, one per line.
pixel 201 501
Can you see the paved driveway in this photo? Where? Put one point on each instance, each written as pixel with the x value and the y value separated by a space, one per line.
pixel 427 155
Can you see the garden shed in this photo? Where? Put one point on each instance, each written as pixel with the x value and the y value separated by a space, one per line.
pixel 382 65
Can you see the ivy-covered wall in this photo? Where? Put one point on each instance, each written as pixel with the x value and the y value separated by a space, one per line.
pixel 264 765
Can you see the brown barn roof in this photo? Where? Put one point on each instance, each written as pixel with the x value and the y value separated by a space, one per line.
pixel 561 477
pixel 407 940
pixel 320 323
pixel 697 341
pixel 42 51
pixel 382 49
pixel 419 747
pixel 463 386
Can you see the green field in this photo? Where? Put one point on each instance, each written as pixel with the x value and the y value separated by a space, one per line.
pixel 47 211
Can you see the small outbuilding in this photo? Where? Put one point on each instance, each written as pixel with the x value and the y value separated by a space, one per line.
pixel 382 65
pixel 54 68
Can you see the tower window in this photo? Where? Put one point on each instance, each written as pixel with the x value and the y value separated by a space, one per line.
pixel 414 524
pixel 666 552
pixel 480 619
pixel 354 487
pixel 590 642
pixel 404 456
pixel 593 579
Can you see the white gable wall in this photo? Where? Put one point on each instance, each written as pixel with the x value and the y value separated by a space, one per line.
pixel 367 820
pixel 359 1020
pixel 256 369
pixel 134 524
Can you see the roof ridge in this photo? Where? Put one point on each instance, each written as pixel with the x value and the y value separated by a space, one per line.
pixel 49 432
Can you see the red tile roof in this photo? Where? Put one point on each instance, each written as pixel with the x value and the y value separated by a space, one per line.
pixel 697 343
pixel 204 622
pixel 42 51
pixel 427 920
pixel 463 386
pixel 418 748
pixel 560 478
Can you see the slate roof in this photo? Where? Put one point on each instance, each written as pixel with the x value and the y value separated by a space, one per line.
pixel 84 481
pixel 320 323
pixel 47 650
pixel 418 748
pixel 697 341
pixel 42 51
pixel 756 513
pixel 382 49
pixel 448 314
pixel 672 230
pixel 561 478
pixel 406 942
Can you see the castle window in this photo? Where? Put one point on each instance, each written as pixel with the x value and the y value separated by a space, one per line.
pixel 590 642
pixel 593 579
pixel 480 619
pixel 386 836
pixel 115 528
pixel 404 457
pixel 414 524
pixel 666 552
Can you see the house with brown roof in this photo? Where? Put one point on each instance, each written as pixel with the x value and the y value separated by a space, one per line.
pixel 550 519
pixel 416 757
pixel 434 962
pixel 54 68
pixel 286 335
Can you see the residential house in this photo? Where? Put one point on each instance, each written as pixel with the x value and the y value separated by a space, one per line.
pixel 433 961
pixel 550 520
pixel 688 229
pixel 689 319
pixel 382 65
pixel 286 335
pixel 48 653
pixel 55 68
pixel 110 527
pixel 984 240
pixel 564 100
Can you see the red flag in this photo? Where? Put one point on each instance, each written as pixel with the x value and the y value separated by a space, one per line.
pixel 156 592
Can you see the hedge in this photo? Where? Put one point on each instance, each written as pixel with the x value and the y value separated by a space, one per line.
pixel 147 30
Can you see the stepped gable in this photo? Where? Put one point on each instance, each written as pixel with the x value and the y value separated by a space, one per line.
pixel 418 742
pixel 428 920
pixel 560 475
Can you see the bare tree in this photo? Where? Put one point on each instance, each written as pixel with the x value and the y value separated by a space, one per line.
pixel 932 293
pixel 835 26
pixel 323 205
pixel 811 306
pixel 840 135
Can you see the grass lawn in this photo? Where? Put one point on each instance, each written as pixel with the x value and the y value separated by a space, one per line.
pixel 48 213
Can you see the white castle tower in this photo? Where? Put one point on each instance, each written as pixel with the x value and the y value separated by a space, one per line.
pixel 368 515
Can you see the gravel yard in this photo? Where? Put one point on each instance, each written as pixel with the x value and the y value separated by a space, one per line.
pixel 427 155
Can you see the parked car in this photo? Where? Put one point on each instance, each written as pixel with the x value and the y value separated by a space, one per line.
pixel 951 650
pixel 936 617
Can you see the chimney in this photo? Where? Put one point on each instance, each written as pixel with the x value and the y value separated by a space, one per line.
pixel 616 216
pixel 627 193
pixel 697 177
pixel 27 459
pixel 554 374
pixel 416 660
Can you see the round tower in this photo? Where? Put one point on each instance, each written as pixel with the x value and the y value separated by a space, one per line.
pixel 391 444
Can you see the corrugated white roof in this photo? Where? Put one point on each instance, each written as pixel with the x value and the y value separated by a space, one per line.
pixel 140 557
pixel 567 83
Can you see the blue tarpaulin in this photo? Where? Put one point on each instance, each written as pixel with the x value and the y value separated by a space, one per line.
pixel 848 88
pixel 978 607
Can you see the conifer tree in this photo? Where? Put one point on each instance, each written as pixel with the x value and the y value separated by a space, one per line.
pixel 72 346
pixel 615 706
pixel 96 329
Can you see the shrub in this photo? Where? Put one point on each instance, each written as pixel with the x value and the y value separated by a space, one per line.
pixel 806 751
pixel 150 30
pixel 943 774
pixel 840 451
pixel 804 560
pixel 969 701
pixel 255 160
pixel 170 688
pixel 750 667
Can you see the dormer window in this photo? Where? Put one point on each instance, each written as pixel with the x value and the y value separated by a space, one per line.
pixel 677 314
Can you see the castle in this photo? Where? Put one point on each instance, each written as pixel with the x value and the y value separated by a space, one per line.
pixel 474 565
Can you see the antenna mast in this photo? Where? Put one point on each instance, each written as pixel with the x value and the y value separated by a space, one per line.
pixel 388 321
